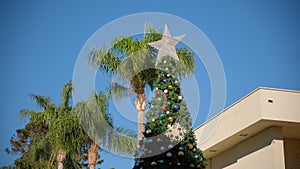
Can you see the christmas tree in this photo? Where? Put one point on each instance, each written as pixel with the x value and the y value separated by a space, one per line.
pixel 169 142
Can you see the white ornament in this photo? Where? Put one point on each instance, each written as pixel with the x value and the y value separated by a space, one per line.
pixel 153 120
pixel 148 131
pixel 167 112
pixel 166 69
pixel 180 97
pixel 175 132
pixel 166 46
pixel 165 91
pixel 156 88
pixel 176 81
pixel 169 125
pixel 165 61
pixel 168 75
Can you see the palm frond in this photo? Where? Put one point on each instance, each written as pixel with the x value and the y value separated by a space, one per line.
pixel 107 61
pixel 118 91
pixel 66 95
pixel 123 142
pixel 42 102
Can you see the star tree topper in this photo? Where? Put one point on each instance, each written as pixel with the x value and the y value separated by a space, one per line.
pixel 166 46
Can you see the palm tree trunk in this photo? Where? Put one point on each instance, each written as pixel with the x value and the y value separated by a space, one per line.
pixel 61 157
pixel 93 155
pixel 140 105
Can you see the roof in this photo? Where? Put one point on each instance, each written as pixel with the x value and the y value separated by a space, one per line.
pixel 262 108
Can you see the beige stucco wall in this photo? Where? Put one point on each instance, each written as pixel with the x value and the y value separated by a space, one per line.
pixel 259 131
pixel 229 123
pixel 262 151
pixel 285 105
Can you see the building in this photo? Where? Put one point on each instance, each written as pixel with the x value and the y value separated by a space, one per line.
pixel 261 131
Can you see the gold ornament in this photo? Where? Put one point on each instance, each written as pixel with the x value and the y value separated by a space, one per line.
pixel 170 87
pixel 170 119
pixel 180 153
pixel 190 146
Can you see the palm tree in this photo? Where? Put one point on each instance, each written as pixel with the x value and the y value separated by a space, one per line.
pixel 94 117
pixel 64 131
pixel 133 60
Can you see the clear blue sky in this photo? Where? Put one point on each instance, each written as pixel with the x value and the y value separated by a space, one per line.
pixel 257 41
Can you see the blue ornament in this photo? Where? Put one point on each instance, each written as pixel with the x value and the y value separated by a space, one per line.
pixel 170 64
pixel 194 149
pixel 181 148
pixel 169 154
pixel 164 81
pixel 161 161
pixel 176 107
pixel 162 116
pixel 178 163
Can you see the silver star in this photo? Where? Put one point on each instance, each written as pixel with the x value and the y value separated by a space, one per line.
pixel 166 46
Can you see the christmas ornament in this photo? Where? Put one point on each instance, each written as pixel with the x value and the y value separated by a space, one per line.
pixel 166 46
pixel 190 146
pixel 162 148
pixel 159 140
pixel 167 112
pixel 166 69
pixel 148 131
pixel 166 91
pixel 170 64
pixel 192 165
pixel 169 154
pixel 158 93
pixel 156 88
pixel 196 156
pixel 179 97
pixel 176 107
pixel 170 119
pixel 194 149
pixel 153 163
pixel 176 132
pixel 165 62
pixel 150 140
pixel 181 148
pixel 164 107
pixel 168 103
pixel 178 163
pixel 161 161
pixel 164 81
pixel 153 120
pixel 162 116
pixel 170 87
pixel 180 153
pixel 159 99
pixel 170 146
pixel 169 125
pixel 168 75
pixel 167 95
